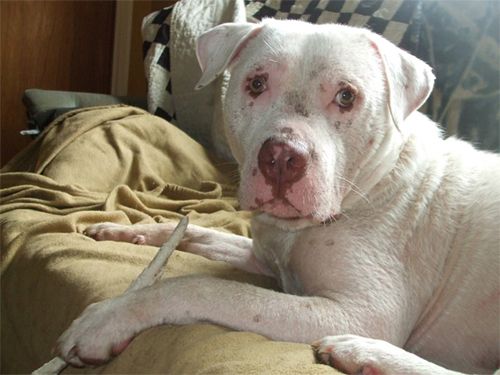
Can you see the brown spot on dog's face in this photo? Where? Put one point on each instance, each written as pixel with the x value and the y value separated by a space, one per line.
pixel 321 67
pixel 296 100
pixel 257 318
pixel 330 243
pixel 300 109
pixel 314 155
pixel 287 133
pixel 339 124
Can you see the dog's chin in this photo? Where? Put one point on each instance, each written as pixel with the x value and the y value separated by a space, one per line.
pixel 289 224
pixel 286 216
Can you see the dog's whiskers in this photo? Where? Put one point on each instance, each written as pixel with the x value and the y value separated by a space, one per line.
pixel 356 189
pixel 345 215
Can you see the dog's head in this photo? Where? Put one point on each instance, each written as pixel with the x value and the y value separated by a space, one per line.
pixel 310 109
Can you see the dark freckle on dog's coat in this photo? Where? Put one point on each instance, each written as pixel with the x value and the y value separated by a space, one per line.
pixel 301 110
pixel 337 125
pixel 250 104
pixel 296 100
pixel 288 134
pixel 317 70
pixel 314 155
pixel 254 172
pixel 257 318
pixel 308 306
pixel 330 243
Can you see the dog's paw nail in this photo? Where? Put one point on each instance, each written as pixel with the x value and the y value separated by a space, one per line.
pixel 72 357
pixel 139 239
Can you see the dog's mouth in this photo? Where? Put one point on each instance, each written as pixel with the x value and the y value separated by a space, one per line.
pixel 282 208
pixel 279 207
pixel 285 215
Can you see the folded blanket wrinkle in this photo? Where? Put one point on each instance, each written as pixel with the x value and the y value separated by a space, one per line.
pixel 146 278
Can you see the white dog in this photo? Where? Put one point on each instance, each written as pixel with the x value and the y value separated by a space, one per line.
pixel 382 234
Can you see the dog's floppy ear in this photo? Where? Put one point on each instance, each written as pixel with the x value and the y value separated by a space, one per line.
pixel 217 47
pixel 409 79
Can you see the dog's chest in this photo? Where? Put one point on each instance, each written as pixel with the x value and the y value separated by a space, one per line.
pixel 274 247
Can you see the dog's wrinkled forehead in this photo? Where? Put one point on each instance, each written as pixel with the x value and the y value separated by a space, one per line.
pixel 311 48
pixel 300 52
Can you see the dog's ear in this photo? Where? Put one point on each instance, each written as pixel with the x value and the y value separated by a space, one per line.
pixel 219 46
pixel 409 79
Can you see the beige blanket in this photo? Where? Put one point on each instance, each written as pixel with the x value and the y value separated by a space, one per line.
pixel 123 165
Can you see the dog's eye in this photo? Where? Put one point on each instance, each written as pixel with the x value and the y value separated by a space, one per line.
pixel 257 85
pixel 345 98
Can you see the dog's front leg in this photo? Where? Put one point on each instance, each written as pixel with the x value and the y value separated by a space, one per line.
pixel 104 329
pixel 209 243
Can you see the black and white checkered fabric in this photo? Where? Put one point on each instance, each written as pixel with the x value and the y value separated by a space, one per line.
pixel 397 20
pixel 156 53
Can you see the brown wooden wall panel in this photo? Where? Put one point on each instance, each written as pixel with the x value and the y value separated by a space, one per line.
pixel 58 45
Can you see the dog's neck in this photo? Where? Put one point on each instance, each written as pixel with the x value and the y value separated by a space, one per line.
pixel 392 159
pixel 374 167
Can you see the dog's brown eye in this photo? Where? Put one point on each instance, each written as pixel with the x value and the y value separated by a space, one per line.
pixel 345 98
pixel 257 85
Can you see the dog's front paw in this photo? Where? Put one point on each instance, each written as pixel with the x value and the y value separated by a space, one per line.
pixel 115 232
pixel 100 332
pixel 359 355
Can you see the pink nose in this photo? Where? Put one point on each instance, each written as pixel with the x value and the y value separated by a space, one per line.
pixel 282 165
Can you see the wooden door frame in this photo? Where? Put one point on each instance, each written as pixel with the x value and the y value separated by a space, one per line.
pixel 121 48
